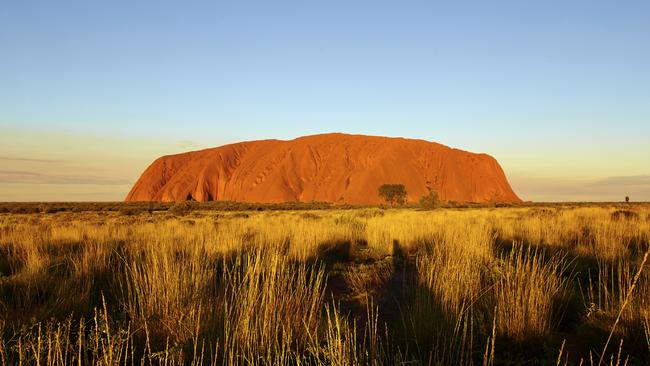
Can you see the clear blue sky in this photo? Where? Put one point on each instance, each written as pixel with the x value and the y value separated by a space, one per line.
pixel 557 91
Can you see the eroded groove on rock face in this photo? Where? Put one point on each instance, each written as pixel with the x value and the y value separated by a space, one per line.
pixel 336 168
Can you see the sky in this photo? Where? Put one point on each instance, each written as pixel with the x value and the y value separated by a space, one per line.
pixel 91 92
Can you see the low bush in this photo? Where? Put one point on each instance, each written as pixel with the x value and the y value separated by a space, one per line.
pixel 624 215
pixel 430 201
pixel 181 208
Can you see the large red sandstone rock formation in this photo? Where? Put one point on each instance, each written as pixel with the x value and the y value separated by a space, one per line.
pixel 334 168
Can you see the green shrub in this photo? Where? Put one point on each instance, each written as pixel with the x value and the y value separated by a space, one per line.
pixel 130 210
pixel 393 193
pixel 430 201
pixel 181 208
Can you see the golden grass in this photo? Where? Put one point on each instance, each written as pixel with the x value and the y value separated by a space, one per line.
pixel 527 291
pixel 365 286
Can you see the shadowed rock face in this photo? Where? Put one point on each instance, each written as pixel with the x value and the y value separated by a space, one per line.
pixel 336 168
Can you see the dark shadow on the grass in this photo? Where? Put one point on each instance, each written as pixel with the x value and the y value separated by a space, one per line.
pixel 582 334
pixel 57 292
pixel 422 325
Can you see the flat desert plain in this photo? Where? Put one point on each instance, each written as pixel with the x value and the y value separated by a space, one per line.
pixel 188 284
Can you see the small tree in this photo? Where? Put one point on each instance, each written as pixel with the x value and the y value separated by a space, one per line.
pixel 430 201
pixel 627 199
pixel 393 193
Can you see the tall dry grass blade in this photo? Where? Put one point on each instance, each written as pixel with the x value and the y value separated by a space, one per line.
pixel 488 356
pixel 559 356
pixel 646 329
pixel 627 300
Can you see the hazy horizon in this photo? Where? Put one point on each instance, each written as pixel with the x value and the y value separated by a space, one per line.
pixel 91 94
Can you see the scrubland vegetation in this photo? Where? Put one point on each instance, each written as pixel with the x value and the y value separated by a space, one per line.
pixel 482 286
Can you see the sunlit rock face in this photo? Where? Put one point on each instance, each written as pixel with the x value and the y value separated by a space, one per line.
pixel 335 168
